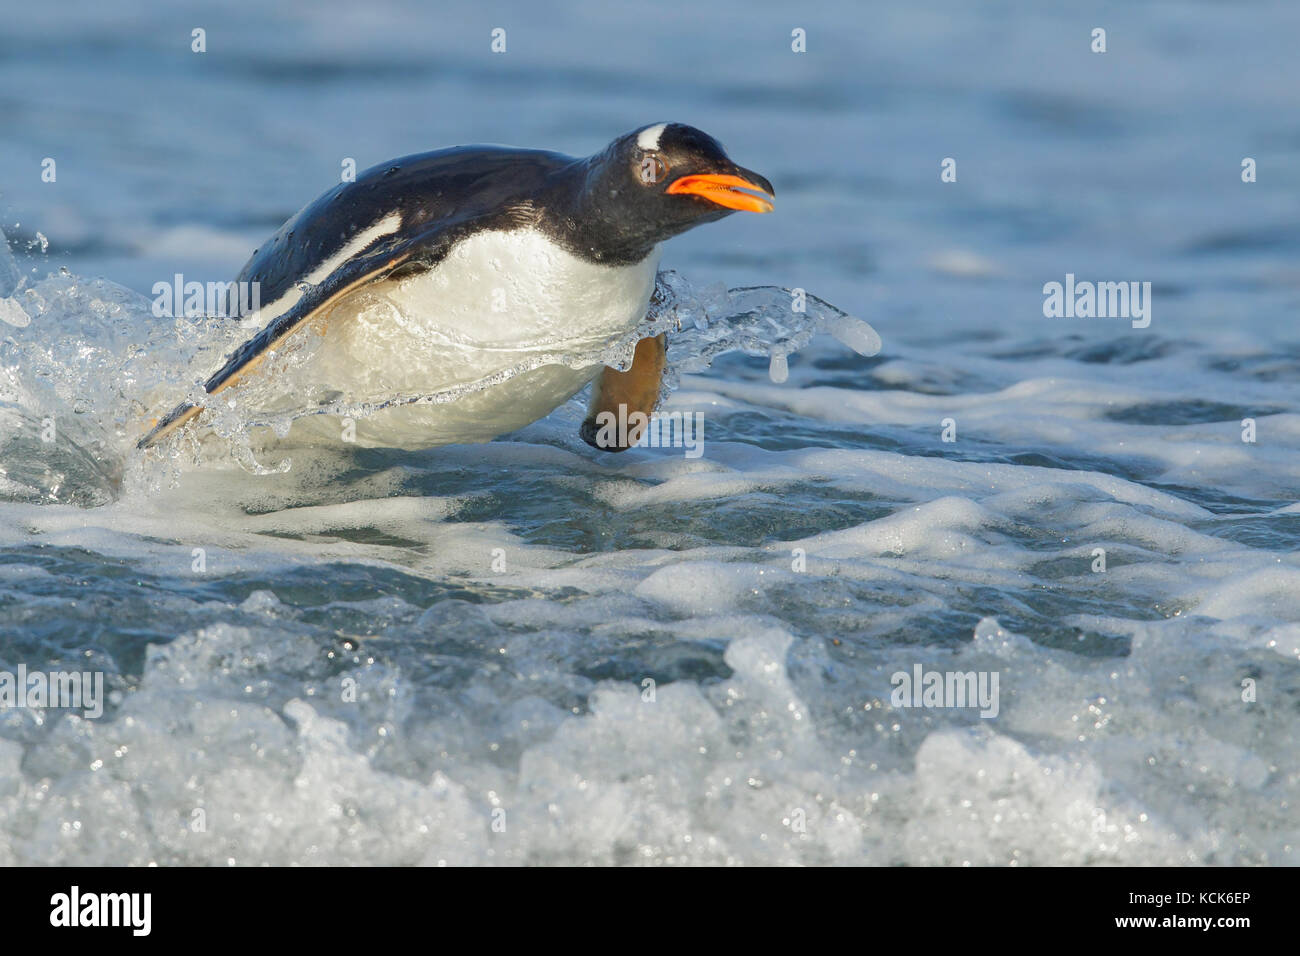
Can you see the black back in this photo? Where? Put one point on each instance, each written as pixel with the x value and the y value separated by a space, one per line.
pixel 440 196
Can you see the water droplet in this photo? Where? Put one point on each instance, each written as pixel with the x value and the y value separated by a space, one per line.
pixel 854 333
pixel 779 368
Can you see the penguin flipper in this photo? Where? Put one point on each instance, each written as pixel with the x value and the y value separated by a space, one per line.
pixel 172 421
pixel 616 397
pixel 314 302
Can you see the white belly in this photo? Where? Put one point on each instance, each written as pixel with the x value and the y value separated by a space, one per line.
pixel 498 301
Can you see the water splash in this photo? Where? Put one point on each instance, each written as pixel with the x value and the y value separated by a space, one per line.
pixel 94 363
pixel 8 267
pixel 702 324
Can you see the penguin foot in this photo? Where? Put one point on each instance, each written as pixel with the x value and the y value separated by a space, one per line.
pixel 622 402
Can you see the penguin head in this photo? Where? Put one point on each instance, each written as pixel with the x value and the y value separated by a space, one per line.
pixel 669 177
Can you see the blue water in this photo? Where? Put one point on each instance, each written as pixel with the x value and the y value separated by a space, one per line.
pixel 397 657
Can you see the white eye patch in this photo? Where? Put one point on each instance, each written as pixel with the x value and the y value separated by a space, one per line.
pixel 648 138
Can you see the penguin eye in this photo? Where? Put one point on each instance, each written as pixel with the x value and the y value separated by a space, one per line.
pixel 652 169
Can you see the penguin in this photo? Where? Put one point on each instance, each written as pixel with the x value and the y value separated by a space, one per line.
pixel 446 268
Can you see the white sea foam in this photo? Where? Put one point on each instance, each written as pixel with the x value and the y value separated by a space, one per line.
pixel 518 697
pixel 499 608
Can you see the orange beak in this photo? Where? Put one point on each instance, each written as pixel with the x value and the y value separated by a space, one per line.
pixel 730 191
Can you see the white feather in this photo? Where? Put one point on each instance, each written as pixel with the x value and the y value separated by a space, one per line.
pixel 498 300
pixel 649 137
pixel 353 247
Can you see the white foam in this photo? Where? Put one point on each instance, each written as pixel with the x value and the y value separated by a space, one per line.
pixel 768 589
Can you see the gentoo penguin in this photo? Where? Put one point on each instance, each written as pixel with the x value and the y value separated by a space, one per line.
pixel 450 267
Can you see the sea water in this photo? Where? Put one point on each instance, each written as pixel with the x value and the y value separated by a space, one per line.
pixel 529 651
